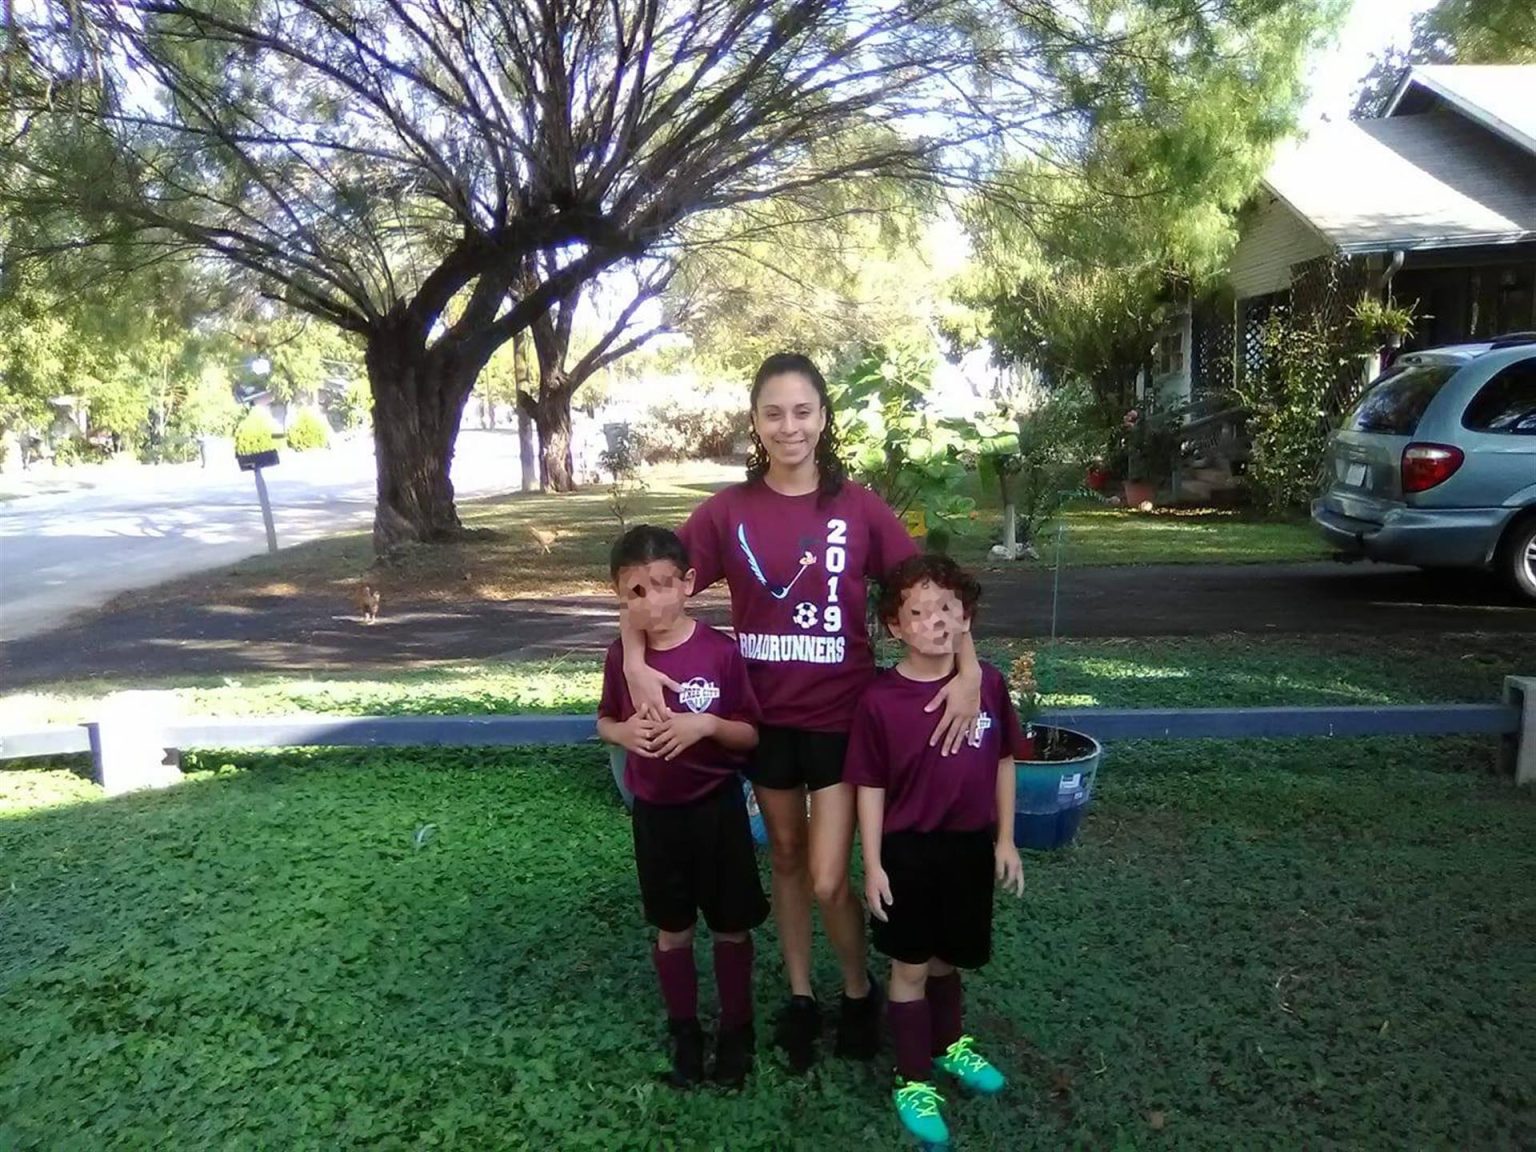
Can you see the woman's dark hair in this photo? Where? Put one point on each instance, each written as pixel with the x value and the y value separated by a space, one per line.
pixel 644 544
pixel 829 466
pixel 937 569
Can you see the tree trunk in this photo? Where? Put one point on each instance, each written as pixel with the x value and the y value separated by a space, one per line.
pixel 418 399
pixel 523 393
pixel 552 417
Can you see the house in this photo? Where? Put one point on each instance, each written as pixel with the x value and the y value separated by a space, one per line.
pixel 1431 205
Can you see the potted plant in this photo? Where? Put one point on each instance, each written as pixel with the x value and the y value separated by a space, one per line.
pixel 1149 444
pixel 1055 768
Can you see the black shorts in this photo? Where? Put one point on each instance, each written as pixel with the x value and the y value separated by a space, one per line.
pixel 797 758
pixel 699 857
pixel 941 897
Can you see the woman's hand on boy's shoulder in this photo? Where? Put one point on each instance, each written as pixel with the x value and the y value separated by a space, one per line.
pixel 961 701
pixel 646 688
pixel 1010 869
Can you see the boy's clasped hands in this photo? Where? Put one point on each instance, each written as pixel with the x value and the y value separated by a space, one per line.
pixel 666 738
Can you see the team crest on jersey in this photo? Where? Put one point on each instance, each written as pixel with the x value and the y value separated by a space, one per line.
pixel 698 694
pixel 979 730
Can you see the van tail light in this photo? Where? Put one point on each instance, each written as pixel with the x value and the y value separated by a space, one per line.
pixel 1427 466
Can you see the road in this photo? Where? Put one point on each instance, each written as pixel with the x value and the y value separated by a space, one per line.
pixel 64 552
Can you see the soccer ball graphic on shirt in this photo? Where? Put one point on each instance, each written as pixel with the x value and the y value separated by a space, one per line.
pixel 698 694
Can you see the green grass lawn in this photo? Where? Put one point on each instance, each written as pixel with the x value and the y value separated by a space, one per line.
pixel 1096 535
pixel 1259 944
pixel 1252 946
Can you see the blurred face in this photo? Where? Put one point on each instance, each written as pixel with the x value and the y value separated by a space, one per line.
pixel 931 620
pixel 789 419
pixel 654 594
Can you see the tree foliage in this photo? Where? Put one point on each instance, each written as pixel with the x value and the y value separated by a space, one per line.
pixel 1452 32
pixel 1144 196
pixel 376 163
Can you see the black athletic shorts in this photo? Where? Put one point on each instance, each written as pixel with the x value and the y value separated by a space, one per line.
pixel 941 897
pixel 699 857
pixel 796 758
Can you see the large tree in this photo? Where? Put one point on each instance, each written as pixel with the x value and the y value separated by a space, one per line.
pixel 374 162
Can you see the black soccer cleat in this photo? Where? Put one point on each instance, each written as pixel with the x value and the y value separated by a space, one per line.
pixel 687 1053
pixel 734 1050
pixel 858 1024
pixel 798 1026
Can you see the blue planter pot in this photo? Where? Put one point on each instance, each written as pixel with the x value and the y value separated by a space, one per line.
pixel 616 765
pixel 1053 795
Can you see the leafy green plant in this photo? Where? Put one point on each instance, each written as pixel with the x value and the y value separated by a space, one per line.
pixel 255 433
pixel 1034 460
pixel 1287 410
pixel 1376 323
pixel 308 432
pixel 621 460
pixel 894 444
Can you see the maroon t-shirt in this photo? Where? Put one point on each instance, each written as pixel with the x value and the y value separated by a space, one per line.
pixel 926 791
pixel 796 567
pixel 714 680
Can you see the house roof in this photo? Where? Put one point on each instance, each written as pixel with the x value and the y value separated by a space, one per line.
pixel 1423 181
pixel 1500 97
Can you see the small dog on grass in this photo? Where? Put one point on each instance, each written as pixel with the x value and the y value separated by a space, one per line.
pixel 368 603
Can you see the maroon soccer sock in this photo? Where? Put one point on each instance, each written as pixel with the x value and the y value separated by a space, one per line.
pixel 733 980
pixel 912 1033
pixel 679 982
pixel 945 1002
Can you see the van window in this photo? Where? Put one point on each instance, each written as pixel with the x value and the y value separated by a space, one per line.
pixel 1395 404
pixel 1507 403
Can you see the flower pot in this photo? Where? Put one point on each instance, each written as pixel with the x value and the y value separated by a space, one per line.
pixel 1139 492
pixel 1098 479
pixel 1052 796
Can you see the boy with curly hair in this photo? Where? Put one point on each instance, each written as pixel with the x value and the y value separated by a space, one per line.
pixel 936 833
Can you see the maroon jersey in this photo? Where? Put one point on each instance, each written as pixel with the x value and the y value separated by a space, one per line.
pixel 714 680
pixel 796 567
pixel 926 791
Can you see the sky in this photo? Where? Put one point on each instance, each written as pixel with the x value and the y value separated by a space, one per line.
pixel 1336 70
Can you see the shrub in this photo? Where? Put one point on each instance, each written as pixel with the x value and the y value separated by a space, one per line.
pixel 700 424
pixel 254 433
pixel 1287 411
pixel 308 432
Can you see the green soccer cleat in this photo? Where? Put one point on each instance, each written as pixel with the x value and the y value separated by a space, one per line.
pixel 969 1067
pixel 917 1106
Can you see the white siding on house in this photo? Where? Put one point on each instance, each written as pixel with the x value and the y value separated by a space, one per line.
pixel 1273 238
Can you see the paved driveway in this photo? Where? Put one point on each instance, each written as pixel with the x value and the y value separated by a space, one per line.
pixel 322 633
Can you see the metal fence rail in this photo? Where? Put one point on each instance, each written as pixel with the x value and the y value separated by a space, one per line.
pixel 129 743
pixel 306 731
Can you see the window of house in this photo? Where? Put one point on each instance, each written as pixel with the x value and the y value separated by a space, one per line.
pixel 1507 403
pixel 1170 353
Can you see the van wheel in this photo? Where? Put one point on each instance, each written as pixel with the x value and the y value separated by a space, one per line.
pixel 1519 557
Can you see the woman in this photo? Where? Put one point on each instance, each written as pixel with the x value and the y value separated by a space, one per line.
pixel 795 544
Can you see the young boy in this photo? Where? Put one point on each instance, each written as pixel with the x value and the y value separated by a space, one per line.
pixel 693 846
pixel 935 832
